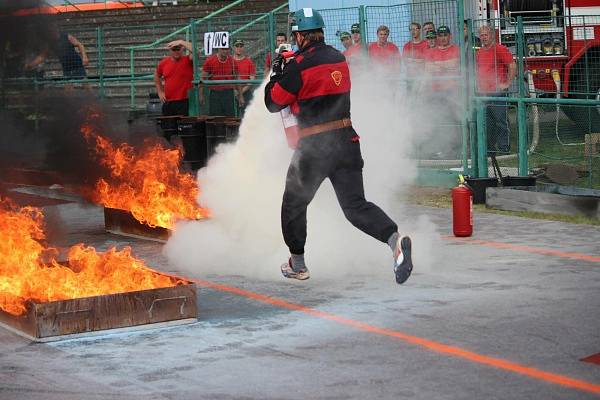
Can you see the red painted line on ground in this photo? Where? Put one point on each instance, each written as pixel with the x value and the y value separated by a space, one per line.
pixel 428 344
pixel 527 249
pixel 594 359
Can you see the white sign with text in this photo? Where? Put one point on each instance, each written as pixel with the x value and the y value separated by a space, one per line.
pixel 215 40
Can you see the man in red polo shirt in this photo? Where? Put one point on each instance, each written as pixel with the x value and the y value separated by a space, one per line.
pixel 443 65
pixel 496 70
pixel 412 53
pixel 221 99
pixel 244 69
pixel 177 72
pixel 353 52
pixel 443 62
pixel 382 51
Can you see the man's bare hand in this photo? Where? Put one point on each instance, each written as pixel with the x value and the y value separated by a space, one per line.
pixel 161 96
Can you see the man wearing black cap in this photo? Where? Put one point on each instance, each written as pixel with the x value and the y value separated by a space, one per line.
pixel 346 40
pixel 355 49
pixel 444 65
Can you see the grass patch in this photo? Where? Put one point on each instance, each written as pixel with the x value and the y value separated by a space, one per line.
pixel 441 198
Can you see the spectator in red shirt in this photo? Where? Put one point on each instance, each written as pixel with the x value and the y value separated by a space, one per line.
pixel 354 51
pixel 495 70
pixel 346 40
pixel 444 61
pixel 177 72
pixel 280 39
pixel 245 69
pixel 383 51
pixel 412 53
pixel 221 99
pixel 443 65
pixel 431 38
pixel 428 27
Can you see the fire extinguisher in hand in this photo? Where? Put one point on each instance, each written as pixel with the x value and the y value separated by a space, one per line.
pixel 290 123
pixel 462 209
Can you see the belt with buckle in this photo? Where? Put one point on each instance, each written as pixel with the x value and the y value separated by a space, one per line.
pixel 324 127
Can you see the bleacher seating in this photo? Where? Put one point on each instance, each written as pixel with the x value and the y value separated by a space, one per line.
pixel 123 28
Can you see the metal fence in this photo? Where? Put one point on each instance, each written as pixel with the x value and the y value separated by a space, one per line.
pixel 545 123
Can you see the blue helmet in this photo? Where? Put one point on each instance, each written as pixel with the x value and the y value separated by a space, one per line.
pixel 306 19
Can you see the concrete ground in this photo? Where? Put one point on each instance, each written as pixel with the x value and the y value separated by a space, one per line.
pixel 509 315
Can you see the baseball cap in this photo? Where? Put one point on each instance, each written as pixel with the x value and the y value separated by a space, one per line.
pixel 430 35
pixel 239 42
pixel 344 35
pixel 355 28
pixel 443 30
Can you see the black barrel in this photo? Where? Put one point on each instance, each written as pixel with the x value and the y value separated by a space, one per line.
pixel 167 126
pixel 192 133
pixel 215 133
pixel 232 130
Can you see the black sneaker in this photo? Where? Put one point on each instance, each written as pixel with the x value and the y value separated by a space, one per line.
pixel 289 272
pixel 402 259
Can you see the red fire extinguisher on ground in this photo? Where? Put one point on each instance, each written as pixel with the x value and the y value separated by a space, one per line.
pixel 462 209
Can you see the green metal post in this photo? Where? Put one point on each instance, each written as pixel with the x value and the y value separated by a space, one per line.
pixel 100 61
pixel 521 106
pixel 470 111
pixel 481 140
pixel 271 34
pixel 362 20
pixel 194 103
pixel 460 12
pixel 131 82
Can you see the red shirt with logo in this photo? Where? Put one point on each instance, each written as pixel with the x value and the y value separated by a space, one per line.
pixel 388 54
pixel 244 68
pixel 178 75
pixel 218 70
pixel 492 67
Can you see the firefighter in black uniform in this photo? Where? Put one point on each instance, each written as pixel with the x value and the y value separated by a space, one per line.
pixel 316 85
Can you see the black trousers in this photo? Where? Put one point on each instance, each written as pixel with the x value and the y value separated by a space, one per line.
pixel 176 107
pixel 335 156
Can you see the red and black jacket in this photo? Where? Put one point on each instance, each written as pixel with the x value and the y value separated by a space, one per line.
pixel 316 84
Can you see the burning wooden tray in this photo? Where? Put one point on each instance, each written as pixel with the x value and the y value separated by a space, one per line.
pixel 144 309
pixel 121 222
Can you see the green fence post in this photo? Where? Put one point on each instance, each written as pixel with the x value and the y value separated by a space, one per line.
pixel 271 35
pixel 100 60
pixel 481 140
pixel 521 107
pixel 131 82
pixel 194 102
pixel 463 92
pixel 362 20
pixel 470 93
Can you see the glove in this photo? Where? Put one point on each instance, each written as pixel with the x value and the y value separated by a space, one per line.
pixel 277 67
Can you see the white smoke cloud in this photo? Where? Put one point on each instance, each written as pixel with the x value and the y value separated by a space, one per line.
pixel 243 186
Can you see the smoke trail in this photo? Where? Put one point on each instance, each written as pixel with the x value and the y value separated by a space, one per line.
pixel 243 185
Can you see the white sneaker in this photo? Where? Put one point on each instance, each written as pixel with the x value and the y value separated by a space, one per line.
pixel 288 271
pixel 402 259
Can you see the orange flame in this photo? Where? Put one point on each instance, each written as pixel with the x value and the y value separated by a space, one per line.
pixel 146 182
pixel 29 270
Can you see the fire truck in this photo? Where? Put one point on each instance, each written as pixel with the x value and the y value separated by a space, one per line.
pixel 562 43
